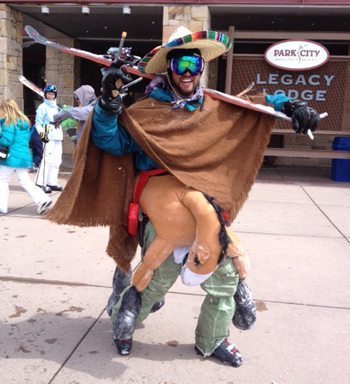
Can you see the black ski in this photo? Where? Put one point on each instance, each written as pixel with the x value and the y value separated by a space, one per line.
pixel 31 85
pixel 35 35
pixel 107 62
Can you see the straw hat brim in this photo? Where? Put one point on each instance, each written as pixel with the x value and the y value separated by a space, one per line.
pixel 211 44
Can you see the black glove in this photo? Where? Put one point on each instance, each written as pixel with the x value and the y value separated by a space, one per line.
pixel 44 137
pixel 4 152
pixel 112 106
pixel 303 117
pixel 113 79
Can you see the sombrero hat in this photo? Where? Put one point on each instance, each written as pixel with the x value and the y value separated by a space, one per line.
pixel 211 44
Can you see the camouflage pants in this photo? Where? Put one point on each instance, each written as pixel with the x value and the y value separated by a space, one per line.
pixel 217 309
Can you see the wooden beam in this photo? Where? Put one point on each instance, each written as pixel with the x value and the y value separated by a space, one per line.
pixel 287 35
pixel 229 62
pixel 316 133
pixel 312 153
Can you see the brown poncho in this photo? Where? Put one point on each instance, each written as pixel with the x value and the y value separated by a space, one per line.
pixel 217 150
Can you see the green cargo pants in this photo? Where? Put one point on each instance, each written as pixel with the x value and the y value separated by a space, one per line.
pixel 217 309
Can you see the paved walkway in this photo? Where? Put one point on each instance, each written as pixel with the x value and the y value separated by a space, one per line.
pixel 55 280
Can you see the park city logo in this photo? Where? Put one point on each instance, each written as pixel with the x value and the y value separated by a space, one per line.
pixel 296 55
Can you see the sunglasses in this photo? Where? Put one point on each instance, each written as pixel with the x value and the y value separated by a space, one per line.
pixel 193 64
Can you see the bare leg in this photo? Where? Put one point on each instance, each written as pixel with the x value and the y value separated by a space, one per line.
pixel 156 254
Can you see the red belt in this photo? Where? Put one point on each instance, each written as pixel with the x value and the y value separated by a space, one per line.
pixel 133 213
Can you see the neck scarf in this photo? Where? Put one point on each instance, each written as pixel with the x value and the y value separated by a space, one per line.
pixel 160 89
pixel 50 103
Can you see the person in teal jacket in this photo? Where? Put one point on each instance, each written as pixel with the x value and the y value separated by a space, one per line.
pixel 15 136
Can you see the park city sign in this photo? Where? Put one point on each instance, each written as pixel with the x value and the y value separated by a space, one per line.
pixel 296 55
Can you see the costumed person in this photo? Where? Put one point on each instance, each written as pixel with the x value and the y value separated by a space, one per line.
pixel 14 137
pixel 210 147
pixel 52 137
pixel 84 99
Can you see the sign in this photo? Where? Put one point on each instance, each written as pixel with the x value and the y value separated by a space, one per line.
pixel 297 85
pixel 296 55
pixel 323 88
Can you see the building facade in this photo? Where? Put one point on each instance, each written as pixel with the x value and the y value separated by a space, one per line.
pixel 253 26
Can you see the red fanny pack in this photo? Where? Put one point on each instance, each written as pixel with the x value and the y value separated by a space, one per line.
pixel 133 213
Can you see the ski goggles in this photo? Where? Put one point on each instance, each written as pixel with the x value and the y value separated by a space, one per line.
pixel 193 64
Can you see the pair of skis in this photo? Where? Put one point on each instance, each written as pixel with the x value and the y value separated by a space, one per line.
pixel 31 85
pixel 107 61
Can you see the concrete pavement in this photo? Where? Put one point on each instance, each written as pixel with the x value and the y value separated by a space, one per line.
pixel 55 281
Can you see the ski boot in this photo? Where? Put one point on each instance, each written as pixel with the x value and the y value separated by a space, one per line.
pixel 158 305
pixel 226 353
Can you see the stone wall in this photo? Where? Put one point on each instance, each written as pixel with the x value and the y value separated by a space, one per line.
pixel 195 18
pixel 60 71
pixel 10 54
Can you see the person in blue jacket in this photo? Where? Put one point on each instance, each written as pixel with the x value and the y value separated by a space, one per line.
pixel 15 136
pixel 182 61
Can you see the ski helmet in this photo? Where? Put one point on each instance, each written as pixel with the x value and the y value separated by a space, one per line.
pixel 50 88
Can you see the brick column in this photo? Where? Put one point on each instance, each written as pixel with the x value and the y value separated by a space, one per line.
pixel 11 24
pixel 60 71
pixel 194 17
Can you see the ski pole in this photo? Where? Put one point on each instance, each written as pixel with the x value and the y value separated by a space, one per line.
pixel 44 159
pixel 250 86
pixel 126 86
pixel 122 40
pixel 40 165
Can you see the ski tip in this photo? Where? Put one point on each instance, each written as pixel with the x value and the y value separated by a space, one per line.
pixel 28 28
pixel 310 134
pixel 30 31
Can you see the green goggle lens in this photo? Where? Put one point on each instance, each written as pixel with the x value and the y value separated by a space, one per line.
pixel 193 64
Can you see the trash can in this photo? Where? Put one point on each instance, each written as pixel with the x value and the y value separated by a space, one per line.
pixel 341 167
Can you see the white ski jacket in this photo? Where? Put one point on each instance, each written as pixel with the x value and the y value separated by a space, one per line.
pixel 44 118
